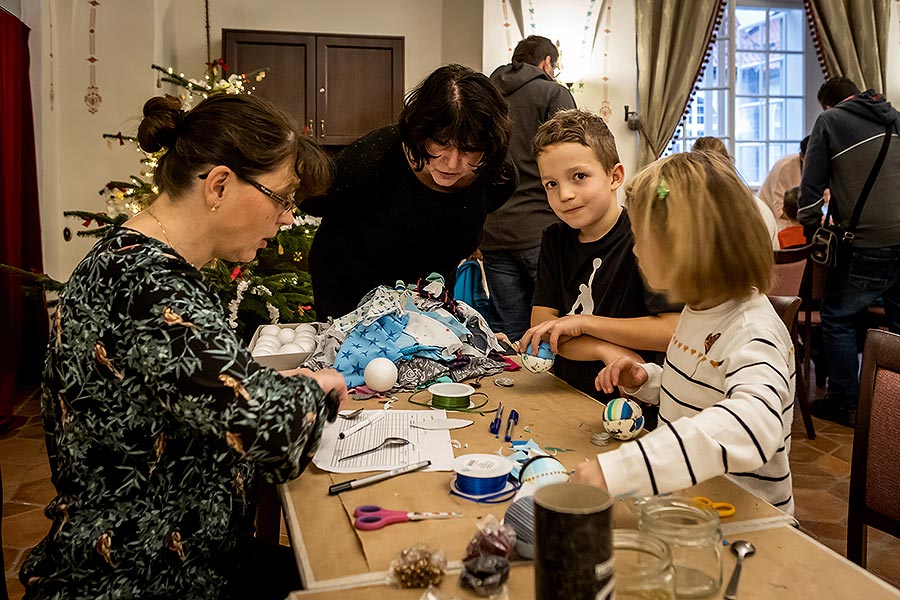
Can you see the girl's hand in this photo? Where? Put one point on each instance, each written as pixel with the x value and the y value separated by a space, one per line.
pixel 623 371
pixel 589 473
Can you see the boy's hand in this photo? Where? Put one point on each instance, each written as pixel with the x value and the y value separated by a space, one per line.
pixel 624 372
pixel 589 473
pixel 564 327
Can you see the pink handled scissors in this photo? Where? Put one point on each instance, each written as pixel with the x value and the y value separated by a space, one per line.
pixel 370 517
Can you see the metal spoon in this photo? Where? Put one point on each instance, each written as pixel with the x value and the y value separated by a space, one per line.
pixel 741 548
pixel 350 414
pixel 388 441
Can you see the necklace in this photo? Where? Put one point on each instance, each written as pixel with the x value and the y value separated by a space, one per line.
pixel 165 234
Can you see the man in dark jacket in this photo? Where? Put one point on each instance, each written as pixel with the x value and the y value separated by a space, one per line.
pixel 512 235
pixel 843 146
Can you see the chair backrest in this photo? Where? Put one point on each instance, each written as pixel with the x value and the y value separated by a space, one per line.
pixel 875 466
pixel 787 273
pixel 787 308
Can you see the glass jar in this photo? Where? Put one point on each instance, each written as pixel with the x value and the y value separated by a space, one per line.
pixel 643 566
pixel 694 535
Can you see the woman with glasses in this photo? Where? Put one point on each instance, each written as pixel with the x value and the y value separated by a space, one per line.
pixel 157 418
pixel 411 199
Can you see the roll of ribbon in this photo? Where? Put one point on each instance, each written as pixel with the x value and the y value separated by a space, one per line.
pixel 482 477
pixel 452 396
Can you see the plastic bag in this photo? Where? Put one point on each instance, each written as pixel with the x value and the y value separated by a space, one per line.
pixel 418 567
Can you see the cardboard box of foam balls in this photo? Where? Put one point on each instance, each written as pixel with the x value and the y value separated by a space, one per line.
pixel 283 346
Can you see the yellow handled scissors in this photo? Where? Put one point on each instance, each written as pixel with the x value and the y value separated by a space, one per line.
pixel 725 509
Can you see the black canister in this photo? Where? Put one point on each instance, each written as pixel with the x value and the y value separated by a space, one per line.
pixel 573 543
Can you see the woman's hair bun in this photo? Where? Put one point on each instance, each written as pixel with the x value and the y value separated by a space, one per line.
pixel 159 127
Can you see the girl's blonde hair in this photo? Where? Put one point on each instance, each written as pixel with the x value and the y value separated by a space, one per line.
pixel 705 224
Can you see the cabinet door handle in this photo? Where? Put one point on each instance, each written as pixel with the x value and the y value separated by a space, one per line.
pixel 311 129
pixel 322 128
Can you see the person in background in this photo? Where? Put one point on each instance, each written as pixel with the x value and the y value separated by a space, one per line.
pixel 512 234
pixel 726 390
pixel 792 235
pixel 717 146
pixel 411 199
pixel 591 303
pixel 843 146
pixel 158 421
pixel 785 174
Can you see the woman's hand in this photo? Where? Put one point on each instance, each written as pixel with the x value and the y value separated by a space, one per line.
pixel 589 473
pixel 624 371
pixel 328 379
pixel 565 327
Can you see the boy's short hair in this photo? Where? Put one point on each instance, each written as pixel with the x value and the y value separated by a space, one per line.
pixel 579 127
pixel 791 203
pixel 705 223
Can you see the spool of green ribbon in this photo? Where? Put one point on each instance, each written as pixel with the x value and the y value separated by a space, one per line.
pixel 452 396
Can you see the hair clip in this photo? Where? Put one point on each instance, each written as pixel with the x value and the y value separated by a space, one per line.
pixel 662 188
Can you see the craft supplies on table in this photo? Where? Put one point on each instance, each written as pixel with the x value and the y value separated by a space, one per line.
pixel 358 483
pixel 424 444
pixel 369 517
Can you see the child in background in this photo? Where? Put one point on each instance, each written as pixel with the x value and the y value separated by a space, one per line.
pixel 792 235
pixel 590 301
pixel 726 390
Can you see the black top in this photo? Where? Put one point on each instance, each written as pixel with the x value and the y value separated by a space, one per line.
pixel 607 268
pixel 381 224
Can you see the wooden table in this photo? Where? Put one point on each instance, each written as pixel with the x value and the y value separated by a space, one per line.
pixel 338 561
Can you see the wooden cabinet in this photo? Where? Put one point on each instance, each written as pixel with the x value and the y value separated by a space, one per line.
pixel 338 87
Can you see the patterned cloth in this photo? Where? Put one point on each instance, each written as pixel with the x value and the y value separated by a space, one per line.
pixel 157 421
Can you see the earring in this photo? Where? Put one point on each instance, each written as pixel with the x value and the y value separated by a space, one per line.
pixel 214 208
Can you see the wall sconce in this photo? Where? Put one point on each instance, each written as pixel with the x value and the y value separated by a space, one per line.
pixel 632 119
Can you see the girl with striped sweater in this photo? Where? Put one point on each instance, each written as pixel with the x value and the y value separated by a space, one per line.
pixel 726 389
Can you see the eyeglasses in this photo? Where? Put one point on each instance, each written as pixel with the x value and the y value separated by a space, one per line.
pixel 286 202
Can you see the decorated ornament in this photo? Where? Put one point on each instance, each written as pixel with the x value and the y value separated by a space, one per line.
pixel 623 418
pixel 380 374
pixel 540 363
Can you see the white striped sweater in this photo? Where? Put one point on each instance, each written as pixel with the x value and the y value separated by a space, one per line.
pixel 726 398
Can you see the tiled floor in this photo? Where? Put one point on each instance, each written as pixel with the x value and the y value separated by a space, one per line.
pixel 821 470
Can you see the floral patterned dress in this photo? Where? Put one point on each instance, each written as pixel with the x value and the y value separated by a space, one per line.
pixel 157 421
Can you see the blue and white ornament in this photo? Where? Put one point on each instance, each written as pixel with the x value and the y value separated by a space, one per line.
pixel 541 362
pixel 623 418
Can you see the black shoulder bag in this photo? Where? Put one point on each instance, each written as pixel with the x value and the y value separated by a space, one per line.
pixel 830 239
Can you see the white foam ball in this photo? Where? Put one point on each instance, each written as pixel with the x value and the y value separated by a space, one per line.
pixel 268 338
pixel 262 351
pixel 306 327
pixel 270 330
pixel 286 336
pixel 289 348
pixel 307 345
pixel 380 374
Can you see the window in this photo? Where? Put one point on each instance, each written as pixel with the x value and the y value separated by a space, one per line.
pixel 752 93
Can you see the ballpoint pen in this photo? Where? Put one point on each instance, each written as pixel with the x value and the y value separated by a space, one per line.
pixel 356 483
pixel 360 425
pixel 510 423
pixel 497 422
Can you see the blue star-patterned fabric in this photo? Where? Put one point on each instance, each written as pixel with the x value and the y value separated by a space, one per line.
pixel 383 338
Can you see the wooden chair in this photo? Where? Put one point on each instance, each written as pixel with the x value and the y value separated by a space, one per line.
pixel 787 308
pixel 787 274
pixel 875 466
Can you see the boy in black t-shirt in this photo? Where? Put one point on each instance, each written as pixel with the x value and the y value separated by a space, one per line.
pixel 587 271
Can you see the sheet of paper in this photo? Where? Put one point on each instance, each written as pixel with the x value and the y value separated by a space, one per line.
pixel 433 445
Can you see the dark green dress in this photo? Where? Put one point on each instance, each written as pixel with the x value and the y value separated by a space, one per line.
pixel 157 420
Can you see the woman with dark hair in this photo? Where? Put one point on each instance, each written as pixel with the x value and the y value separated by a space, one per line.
pixel 411 199
pixel 157 418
